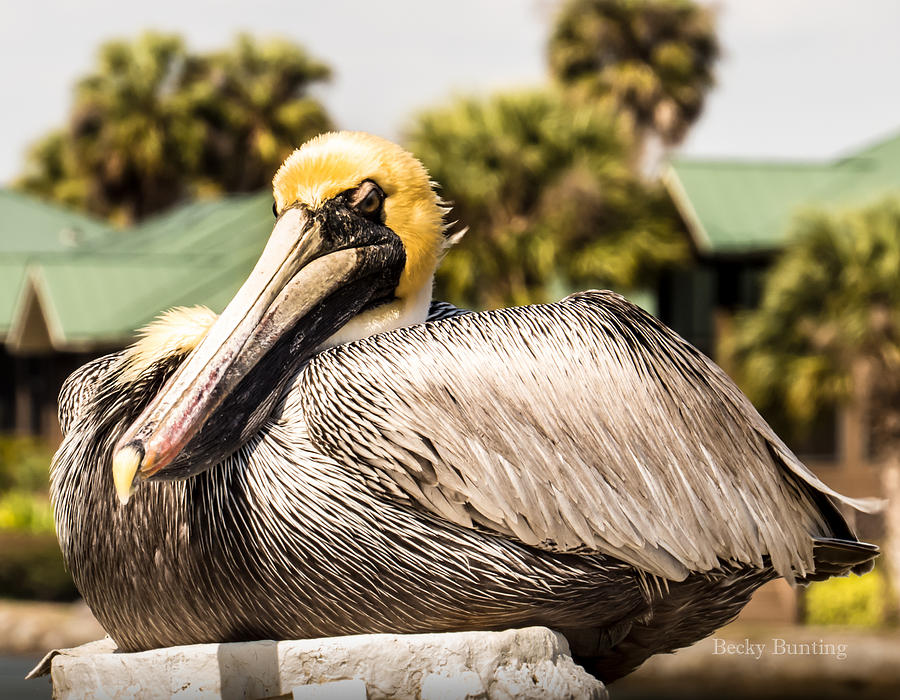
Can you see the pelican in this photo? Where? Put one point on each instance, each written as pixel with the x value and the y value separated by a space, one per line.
pixel 337 454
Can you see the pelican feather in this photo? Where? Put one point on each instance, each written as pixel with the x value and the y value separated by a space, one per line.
pixel 561 395
pixel 331 455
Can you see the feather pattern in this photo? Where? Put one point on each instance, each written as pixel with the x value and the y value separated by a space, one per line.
pixel 579 426
pixel 346 513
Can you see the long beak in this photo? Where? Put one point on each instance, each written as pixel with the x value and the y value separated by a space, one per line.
pixel 302 265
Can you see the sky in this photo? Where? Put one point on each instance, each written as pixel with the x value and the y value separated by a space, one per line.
pixel 798 79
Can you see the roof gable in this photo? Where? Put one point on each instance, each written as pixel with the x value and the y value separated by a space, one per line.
pixel 741 207
pixel 31 226
pixel 98 296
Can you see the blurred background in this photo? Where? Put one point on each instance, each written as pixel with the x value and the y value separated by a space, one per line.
pixel 732 167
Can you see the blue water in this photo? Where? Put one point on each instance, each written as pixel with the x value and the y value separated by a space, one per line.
pixel 13 683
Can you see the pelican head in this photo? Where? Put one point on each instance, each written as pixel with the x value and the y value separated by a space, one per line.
pixel 358 235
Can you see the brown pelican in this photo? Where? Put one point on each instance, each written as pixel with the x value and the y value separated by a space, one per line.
pixel 319 460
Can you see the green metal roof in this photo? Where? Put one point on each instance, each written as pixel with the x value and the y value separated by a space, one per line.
pixel 12 275
pixel 739 207
pixel 203 229
pixel 98 294
pixel 30 226
pixel 30 229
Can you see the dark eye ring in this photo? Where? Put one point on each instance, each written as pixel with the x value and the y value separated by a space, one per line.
pixel 275 209
pixel 368 200
pixel 371 203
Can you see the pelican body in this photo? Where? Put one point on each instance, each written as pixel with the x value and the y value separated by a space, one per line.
pixel 337 454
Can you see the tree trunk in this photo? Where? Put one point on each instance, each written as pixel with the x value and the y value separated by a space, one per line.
pixel 855 417
pixel 890 480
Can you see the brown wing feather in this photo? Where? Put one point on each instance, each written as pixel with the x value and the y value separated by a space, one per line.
pixel 584 425
pixel 79 388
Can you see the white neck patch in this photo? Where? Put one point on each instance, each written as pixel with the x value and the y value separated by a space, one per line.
pixel 387 317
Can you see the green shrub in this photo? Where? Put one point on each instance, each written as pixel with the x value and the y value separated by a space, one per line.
pixel 31 566
pixel 26 511
pixel 858 601
pixel 24 463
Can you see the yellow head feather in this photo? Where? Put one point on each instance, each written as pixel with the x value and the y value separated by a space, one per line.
pixel 335 162
pixel 172 334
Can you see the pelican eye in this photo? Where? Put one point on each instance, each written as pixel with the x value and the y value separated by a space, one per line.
pixel 275 209
pixel 368 200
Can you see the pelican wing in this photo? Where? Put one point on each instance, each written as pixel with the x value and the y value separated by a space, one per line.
pixel 582 426
pixel 79 388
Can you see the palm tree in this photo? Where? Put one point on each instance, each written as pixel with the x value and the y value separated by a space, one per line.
pixel 52 172
pixel 545 186
pixel 254 105
pixel 828 333
pixel 118 156
pixel 652 60
pixel 154 123
pixel 829 322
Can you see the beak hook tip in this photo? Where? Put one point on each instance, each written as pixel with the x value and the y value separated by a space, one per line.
pixel 126 462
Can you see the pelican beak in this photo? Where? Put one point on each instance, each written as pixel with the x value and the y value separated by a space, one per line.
pixel 317 271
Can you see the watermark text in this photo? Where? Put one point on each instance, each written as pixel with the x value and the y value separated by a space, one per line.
pixel 779 647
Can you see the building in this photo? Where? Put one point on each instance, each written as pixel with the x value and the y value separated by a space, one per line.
pixel 72 288
pixel 737 214
pixel 31 230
